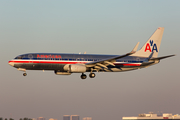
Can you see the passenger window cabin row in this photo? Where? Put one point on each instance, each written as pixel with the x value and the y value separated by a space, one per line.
pixel 78 59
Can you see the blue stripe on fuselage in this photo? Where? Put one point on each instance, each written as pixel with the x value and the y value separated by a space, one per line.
pixel 77 57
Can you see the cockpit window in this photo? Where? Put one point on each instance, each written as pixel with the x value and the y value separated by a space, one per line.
pixel 18 57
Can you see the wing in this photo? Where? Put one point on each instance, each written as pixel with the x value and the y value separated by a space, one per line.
pixel 109 61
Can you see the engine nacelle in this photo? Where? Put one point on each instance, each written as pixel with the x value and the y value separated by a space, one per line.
pixel 75 68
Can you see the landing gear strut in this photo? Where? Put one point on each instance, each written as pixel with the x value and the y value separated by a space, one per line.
pixel 92 75
pixel 24 74
pixel 83 76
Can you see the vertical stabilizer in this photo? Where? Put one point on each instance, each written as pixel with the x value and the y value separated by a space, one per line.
pixel 152 45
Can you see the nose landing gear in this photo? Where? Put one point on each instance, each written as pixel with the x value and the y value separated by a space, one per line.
pixel 24 74
pixel 24 70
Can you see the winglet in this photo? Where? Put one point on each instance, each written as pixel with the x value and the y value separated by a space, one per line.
pixel 135 48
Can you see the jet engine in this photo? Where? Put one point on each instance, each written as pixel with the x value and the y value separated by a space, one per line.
pixel 75 68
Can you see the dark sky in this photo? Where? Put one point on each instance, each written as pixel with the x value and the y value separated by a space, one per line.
pixel 98 27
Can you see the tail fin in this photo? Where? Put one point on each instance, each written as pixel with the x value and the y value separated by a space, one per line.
pixel 152 45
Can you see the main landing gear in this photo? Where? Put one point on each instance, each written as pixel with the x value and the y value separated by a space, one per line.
pixel 83 76
pixel 91 75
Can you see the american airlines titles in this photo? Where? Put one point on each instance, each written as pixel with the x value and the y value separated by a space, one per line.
pixel 48 56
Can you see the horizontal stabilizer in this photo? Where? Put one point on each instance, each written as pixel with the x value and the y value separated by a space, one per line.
pixel 159 58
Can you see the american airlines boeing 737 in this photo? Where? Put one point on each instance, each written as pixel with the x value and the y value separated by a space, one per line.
pixel 66 64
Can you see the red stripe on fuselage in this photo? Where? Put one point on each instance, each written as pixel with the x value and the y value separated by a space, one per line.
pixel 68 62
pixel 48 62
pixel 127 64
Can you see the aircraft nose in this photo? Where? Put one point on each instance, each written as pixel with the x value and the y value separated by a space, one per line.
pixel 11 63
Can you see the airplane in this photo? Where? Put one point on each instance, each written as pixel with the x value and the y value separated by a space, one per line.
pixel 66 64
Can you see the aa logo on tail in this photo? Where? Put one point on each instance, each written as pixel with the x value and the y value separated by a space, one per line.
pixel 151 45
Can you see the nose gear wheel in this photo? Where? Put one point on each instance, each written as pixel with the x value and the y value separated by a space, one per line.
pixel 24 74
